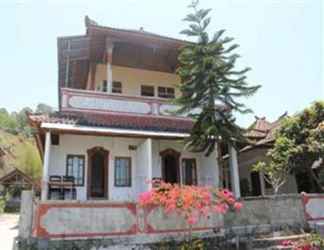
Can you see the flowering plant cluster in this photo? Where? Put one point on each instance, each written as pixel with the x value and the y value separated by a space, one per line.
pixel 312 242
pixel 191 202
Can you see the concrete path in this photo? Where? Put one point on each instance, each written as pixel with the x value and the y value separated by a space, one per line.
pixel 8 230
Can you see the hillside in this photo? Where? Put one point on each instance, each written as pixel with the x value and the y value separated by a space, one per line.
pixel 17 141
pixel 20 152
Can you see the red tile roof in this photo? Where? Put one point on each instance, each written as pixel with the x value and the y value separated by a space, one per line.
pixel 113 120
pixel 263 131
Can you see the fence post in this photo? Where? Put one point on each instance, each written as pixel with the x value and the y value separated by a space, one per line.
pixel 26 215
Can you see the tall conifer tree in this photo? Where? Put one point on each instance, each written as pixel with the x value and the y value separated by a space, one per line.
pixel 211 86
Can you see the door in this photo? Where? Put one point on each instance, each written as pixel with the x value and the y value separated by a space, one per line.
pixel 97 173
pixel 256 184
pixel 170 166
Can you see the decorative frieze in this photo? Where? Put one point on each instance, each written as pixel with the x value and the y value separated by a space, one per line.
pixel 75 99
pixel 109 104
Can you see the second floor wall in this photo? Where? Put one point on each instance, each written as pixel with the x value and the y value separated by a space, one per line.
pixel 136 82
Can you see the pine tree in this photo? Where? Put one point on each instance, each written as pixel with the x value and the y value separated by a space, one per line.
pixel 211 86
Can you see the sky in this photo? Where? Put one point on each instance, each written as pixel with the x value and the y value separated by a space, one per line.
pixel 281 40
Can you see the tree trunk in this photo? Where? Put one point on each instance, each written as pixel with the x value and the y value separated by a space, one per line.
pixel 316 186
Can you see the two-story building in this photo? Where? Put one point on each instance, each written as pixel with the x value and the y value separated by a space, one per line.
pixel 114 131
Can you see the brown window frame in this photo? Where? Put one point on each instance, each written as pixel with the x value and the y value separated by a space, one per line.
pixel 165 93
pixel 194 178
pixel 117 89
pixel 129 181
pixel 83 168
pixel 147 86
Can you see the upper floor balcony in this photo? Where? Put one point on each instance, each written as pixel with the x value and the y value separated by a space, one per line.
pixel 95 101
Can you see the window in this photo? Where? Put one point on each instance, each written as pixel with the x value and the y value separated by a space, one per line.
pixel 147 90
pixel 189 171
pixel 75 168
pixel 165 92
pixel 55 139
pixel 104 85
pixel 117 87
pixel 123 172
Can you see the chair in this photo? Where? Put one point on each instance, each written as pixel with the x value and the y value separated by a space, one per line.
pixel 55 187
pixel 69 190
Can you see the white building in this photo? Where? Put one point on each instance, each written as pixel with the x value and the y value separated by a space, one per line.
pixel 113 132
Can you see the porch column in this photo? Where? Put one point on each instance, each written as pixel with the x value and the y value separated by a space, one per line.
pixel 109 52
pixel 149 162
pixel 46 166
pixel 235 178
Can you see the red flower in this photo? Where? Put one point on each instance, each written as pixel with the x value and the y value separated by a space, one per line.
pixel 190 202
pixel 238 206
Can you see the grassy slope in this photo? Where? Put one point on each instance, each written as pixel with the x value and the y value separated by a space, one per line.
pixel 21 152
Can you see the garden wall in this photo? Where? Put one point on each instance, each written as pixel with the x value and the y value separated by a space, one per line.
pixel 268 211
pixel 104 223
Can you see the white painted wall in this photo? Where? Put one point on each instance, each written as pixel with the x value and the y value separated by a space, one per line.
pixel 117 146
pixel 249 158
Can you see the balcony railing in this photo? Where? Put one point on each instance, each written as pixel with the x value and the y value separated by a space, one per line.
pixel 76 99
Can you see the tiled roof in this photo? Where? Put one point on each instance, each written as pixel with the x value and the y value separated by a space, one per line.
pixel 91 23
pixel 259 128
pixel 113 120
pixel 263 131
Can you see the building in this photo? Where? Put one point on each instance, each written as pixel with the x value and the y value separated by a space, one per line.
pixel 261 134
pixel 14 183
pixel 114 131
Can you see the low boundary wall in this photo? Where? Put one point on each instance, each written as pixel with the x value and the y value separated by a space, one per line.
pixel 128 222
pixel 313 207
pixel 268 210
pixel 97 219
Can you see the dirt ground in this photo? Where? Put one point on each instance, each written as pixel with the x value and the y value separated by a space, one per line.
pixel 8 230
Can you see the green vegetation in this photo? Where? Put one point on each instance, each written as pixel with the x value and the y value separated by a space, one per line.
pixel 211 83
pixel 298 149
pixel 16 139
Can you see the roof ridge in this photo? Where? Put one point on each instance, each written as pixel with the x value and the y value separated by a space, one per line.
pixel 91 23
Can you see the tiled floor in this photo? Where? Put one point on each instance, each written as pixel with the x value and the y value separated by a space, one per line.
pixel 8 230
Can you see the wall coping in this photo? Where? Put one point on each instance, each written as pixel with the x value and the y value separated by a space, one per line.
pixel 274 197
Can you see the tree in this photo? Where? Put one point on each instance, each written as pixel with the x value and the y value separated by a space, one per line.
pixel 44 108
pixel 22 123
pixel 306 130
pixel 299 148
pixel 211 86
pixel 276 171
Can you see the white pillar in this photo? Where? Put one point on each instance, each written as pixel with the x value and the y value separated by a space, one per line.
pixel 109 51
pixel 235 178
pixel 46 166
pixel 149 163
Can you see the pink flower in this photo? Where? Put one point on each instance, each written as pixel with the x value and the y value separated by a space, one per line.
pixel 221 208
pixel 226 192
pixel 287 243
pixel 145 198
pixel 238 206
pixel 192 220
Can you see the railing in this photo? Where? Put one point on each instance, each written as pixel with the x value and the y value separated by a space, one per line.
pixel 75 99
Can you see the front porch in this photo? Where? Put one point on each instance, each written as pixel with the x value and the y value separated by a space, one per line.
pixel 120 168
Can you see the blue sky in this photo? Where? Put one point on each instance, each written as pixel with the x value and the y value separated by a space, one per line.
pixel 280 39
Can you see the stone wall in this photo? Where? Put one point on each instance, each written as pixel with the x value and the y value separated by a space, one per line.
pixel 268 211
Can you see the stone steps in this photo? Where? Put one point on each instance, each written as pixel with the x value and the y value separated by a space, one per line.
pixel 275 243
